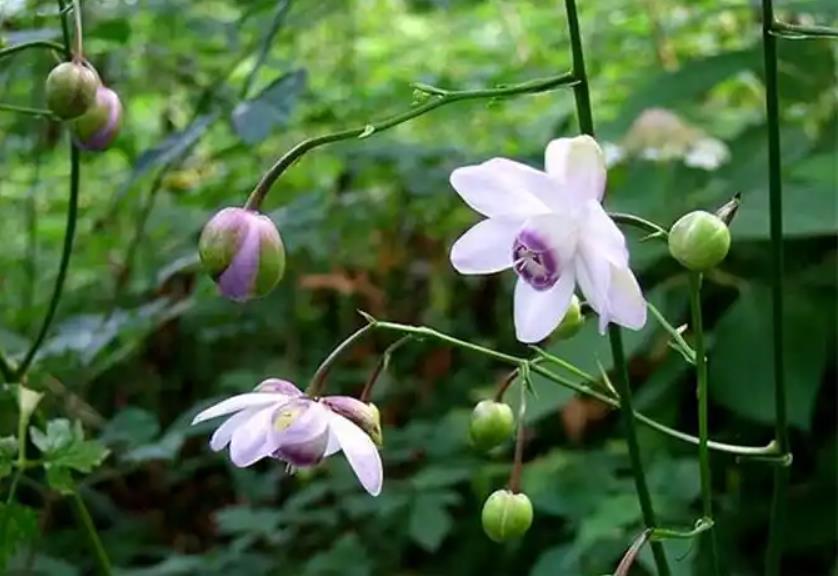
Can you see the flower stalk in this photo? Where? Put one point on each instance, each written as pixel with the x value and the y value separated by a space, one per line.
pixel 102 561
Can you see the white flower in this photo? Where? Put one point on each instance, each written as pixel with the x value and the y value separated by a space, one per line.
pixel 278 421
pixel 552 230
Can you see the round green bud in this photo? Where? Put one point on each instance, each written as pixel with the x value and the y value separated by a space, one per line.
pixel 699 240
pixel 572 322
pixel 506 515
pixel 98 127
pixel 242 251
pixel 71 89
pixel 491 424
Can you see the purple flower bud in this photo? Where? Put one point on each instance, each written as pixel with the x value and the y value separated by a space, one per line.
pixel 243 253
pixel 365 416
pixel 71 89
pixel 99 126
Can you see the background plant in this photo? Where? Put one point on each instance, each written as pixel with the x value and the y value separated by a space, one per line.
pixel 140 337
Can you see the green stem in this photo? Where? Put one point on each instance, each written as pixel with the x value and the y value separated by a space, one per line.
pixel 641 223
pixel 703 428
pixel 79 35
pixel 437 97
pixel 89 527
pixel 69 235
pixel 586 126
pixel 9 51
pixel 315 387
pixel 6 369
pixel 772 109
pixel 799 32
pixel 65 30
pixel 27 110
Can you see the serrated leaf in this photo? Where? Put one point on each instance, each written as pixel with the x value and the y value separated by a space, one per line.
pixel 63 446
pixel 254 119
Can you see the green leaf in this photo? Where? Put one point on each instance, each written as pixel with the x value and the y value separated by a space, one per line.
pixel 747 387
pixel 64 449
pixel 255 119
pixel 18 524
pixel 562 559
pixel 131 427
pixel 430 522
pixel 8 454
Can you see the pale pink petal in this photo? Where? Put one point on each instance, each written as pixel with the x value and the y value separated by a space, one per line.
pixel 579 165
pixel 593 273
pixel 538 313
pixel 221 436
pixel 503 188
pixel 252 441
pixel 486 247
pixel 239 402
pixel 360 451
pixel 277 385
pixel 625 300
pixel 600 230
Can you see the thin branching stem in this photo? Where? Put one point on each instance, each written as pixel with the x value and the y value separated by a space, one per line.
pixel 103 563
pixel 703 429
pixel 315 387
pixel 586 126
pixel 49 45
pixel 801 32
pixel 40 112
pixel 435 98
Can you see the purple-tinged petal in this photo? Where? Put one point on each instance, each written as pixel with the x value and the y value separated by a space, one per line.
pixel 278 386
pixel 539 312
pixel 625 300
pixel 222 435
pixel 252 441
pixel 300 432
pixel 239 402
pixel 365 415
pixel 503 188
pixel 237 280
pixel 486 247
pixel 578 164
pixel 107 107
pixel 360 452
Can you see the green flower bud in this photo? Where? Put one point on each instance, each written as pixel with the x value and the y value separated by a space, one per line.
pixel 97 128
pixel 491 424
pixel 699 240
pixel 506 515
pixel 71 89
pixel 572 322
pixel 243 253
pixel 365 415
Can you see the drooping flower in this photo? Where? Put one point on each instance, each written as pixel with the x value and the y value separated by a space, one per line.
pixel 278 421
pixel 550 228
pixel 99 126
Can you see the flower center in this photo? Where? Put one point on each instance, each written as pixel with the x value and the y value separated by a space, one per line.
pixel 534 261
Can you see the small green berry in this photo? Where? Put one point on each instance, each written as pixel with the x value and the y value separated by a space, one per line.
pixel 491 424
pixel 71 89
pixel 699 240
pixel 572 322
pixel 506 515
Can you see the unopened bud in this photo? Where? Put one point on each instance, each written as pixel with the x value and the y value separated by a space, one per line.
pixel 365 415
pixel 572 322
pixel 243 253
pixel 506 515
pixel 98 127
pixel 71 89
pixel 491 424
pixel 699 240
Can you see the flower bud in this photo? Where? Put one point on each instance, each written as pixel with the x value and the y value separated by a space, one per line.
pixel 97 128
pixel 366 416
pixel 572 322
pixel 71 89
pixel 243 253
pixel 491 424
pixel 699 240
pixel 506 515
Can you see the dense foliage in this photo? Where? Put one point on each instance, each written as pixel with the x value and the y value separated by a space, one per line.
pixel 142 340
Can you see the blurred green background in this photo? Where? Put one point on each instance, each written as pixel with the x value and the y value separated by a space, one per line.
pixel 142 340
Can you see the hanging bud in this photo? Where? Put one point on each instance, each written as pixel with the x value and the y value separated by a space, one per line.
pixel 365 415
pixel 243 253
pixel 71 89
pixel 699 240
pixel 97 128
pixel 572 322
pixel 491 424
pixel 506 515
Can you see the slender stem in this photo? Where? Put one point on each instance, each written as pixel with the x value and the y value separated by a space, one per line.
pixel 703 429
pixel 553 359
pixel 79 35
pixel 438 97
pixel 768 452
pixel 646 225
pixel 799 32
pixel 69 235
pixel 518 461
pixel 315 387
pixel 65 29
pixel 628 559
pixel 772 109
pixel 89 527
pixel 27 110
pixel 9 51
pixel 701 525
pixel 586 126
pixel 505 384
pixel 381 367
